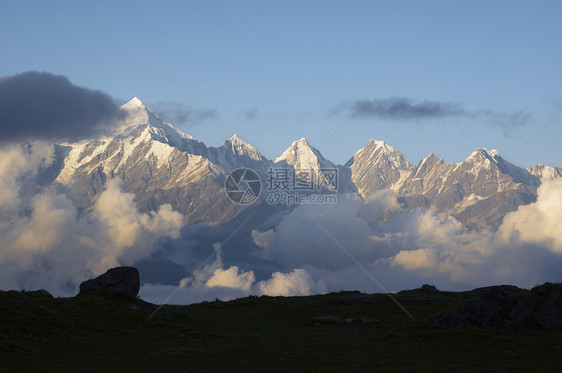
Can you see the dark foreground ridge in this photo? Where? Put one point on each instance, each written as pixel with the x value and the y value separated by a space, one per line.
pixel 106 328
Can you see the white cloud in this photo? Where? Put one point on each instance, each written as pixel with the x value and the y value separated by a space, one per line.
pixel 415 259
pixel 48 244
pixel 297 282
pixel 243 283
pixel 418 246
pixel 232 277
pixel 538 222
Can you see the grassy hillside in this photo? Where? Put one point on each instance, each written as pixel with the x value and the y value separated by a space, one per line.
pixel 97 333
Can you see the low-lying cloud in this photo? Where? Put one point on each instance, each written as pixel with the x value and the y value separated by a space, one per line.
pixel 419 246
pixel 39 105
pixel 46 243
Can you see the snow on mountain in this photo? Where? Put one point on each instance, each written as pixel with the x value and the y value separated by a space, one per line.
pixel 235 153
pixel 157 162
pixel 161 164
pixel 129 137
pixel 479 191
pixel 301 155
pixel 544 172
pixel 311 165
pixel 240 148
pixel 378 166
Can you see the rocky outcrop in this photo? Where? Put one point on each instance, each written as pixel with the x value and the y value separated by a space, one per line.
pixel 120 281
pixel 509 306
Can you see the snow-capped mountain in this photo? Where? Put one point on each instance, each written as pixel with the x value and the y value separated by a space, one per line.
pixel 479 191
pixel 161 164
pixel 157 162
pixel 543 172
pixel 301 156
pixel 378 166
pixel 235 153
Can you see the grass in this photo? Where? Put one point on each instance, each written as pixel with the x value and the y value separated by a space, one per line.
pixel 266 334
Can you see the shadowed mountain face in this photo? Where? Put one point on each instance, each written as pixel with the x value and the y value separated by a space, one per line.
pixel 160 164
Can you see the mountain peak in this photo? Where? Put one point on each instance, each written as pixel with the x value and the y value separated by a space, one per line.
pixel 301 142
pixel 299 148
pixel 133 103
pixel 235 141
pixel 302 155
pixel 494 153
pixel 235 138
pixel 482 154
pixel 239 147
pixel 379 144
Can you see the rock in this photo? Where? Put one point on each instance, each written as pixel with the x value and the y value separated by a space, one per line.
pixel 549 315
pixel 524 310
pixel 17 294
pixel 120 281
pixel 40 292
pixel 508 290
pixel 490 307
pixel 429 288
pixel 510 306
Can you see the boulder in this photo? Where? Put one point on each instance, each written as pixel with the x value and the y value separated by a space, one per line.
pixel 41 293
pixel 429 288
pixel 510 306
pixel 490 307
pixel 549 315
pixel 120 281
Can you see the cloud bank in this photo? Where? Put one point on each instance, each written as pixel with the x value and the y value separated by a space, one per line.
pixel 216 281
pixel 47 243
pixel 39 105
pixel 419 246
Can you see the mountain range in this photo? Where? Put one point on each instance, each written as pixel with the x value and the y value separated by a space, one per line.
pixel 160 164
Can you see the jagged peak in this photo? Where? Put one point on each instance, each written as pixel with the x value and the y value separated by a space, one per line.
pixel 430 157
pixel 239 147
pixel 481 154
pixel 235 138
pixel 134 103
pixel 298 147
pixel 301 151
pixel 494 153
pixel 301 141
pixel 379 144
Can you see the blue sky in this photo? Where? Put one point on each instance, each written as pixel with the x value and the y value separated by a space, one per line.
pixel 274 72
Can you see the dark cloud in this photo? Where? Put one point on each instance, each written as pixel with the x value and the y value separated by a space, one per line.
pixel 507 121
pixel 251 113
pixel 404 108
pixel 179 114
pixel 35 105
